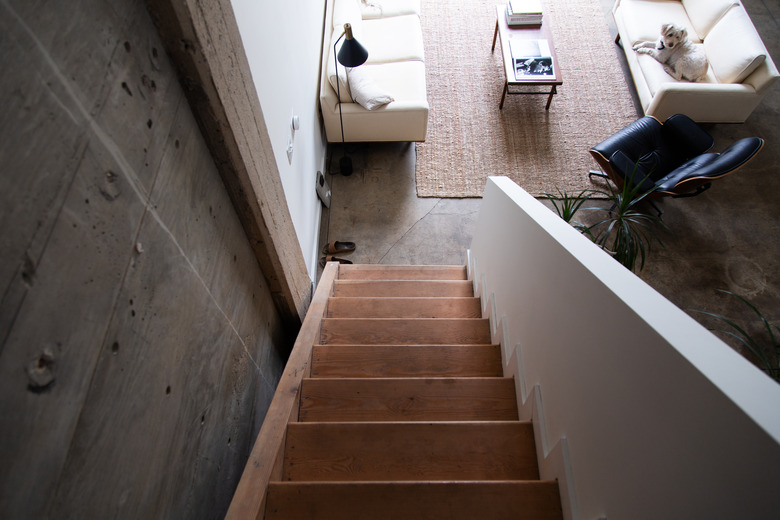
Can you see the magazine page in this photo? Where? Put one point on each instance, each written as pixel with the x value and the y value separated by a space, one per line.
pixel 531 59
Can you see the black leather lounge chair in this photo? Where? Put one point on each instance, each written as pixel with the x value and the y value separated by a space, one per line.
pixel 668 158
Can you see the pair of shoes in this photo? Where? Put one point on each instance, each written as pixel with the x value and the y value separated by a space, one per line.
pixel 330 258
pixel 336 247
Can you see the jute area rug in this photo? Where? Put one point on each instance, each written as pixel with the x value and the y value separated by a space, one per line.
pixel 469 138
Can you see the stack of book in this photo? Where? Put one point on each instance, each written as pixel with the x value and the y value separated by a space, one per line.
pixel 524 12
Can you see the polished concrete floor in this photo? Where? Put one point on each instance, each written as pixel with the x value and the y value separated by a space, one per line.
pixel 725 239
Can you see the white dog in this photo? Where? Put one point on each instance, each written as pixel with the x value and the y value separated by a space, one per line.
pixel 680 58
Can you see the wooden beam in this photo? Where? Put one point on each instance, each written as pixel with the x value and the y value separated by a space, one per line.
pixel 202 39
pixel 265 461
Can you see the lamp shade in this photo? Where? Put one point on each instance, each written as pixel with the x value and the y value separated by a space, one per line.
pixel 351 53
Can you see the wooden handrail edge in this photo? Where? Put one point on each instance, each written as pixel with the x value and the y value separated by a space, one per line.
pixel 249 499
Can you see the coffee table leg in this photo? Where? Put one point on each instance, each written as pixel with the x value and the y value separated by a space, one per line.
pixel 495 35
pixel 549 99
pixel 503 96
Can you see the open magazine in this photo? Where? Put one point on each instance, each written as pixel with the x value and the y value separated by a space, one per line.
pixel 531 59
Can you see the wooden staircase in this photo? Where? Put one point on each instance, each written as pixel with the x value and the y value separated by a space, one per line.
pixel 404 411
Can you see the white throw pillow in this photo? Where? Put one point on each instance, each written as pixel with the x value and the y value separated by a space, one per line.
pixel 343 86
pixel 734 48
pixel 373 9
pixel 365 91
pixel 370 9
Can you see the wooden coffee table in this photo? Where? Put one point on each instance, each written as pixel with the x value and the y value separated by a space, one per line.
pixel 535 32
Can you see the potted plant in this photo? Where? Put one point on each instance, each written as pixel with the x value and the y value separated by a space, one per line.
pixel 625 232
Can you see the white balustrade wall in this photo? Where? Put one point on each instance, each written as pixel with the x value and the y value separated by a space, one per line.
pixel 639 411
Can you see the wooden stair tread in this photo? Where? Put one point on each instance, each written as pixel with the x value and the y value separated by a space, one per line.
pixel 399 307
pixel 364 451
pixel 390 331
pixel 403 288
pixel 452 500
pixel 406 360
pixel 401 272
pixel 408 399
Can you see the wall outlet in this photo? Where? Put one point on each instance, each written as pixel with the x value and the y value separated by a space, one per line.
pixel 295 124
pixel 323 190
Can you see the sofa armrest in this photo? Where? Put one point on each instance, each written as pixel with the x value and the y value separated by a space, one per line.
pixel 704 102
pixel 763 77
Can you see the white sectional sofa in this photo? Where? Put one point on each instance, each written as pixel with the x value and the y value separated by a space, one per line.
pixel 390 30
pixel 741 71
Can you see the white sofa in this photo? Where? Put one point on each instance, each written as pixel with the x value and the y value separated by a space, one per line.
pixel 740 70
pixel 390 30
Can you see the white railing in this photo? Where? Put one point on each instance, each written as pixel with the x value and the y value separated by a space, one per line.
pixel 638 410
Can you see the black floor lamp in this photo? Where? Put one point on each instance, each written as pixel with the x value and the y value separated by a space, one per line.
pixel 352 54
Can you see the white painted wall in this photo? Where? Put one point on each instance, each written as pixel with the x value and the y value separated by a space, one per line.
pixel 283 41
pixel 640 411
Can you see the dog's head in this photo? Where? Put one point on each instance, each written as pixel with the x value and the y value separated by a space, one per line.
pixel 672 35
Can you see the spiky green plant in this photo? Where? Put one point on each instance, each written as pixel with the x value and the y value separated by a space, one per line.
pixel 766 350
pixel 626 232
pixel 566 205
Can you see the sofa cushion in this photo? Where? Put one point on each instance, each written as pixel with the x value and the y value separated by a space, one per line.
pixel 371 9
pixel 643 19
pixel 733 47
pixel 393 39
pixel 365 91
pixel 704 14
pixel 655 75
pixel 405 80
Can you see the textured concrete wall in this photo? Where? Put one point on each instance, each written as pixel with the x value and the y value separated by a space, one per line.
pixel 139 345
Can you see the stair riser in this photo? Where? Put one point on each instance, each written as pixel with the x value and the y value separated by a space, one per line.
pixel 421 501
pixel 347 331
pixel 410 451
pixel 362 307
pixel 401 272
pixel 441 399
pixel 406 361
pixel 402 289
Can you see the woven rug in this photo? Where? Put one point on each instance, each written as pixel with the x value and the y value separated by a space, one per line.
pixel 469 138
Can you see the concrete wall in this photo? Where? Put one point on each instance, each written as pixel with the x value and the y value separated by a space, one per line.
pixel 139 346
pixel 638 410
pixel 283 42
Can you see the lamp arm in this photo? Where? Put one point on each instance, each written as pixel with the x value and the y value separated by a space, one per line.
pixel 338 89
